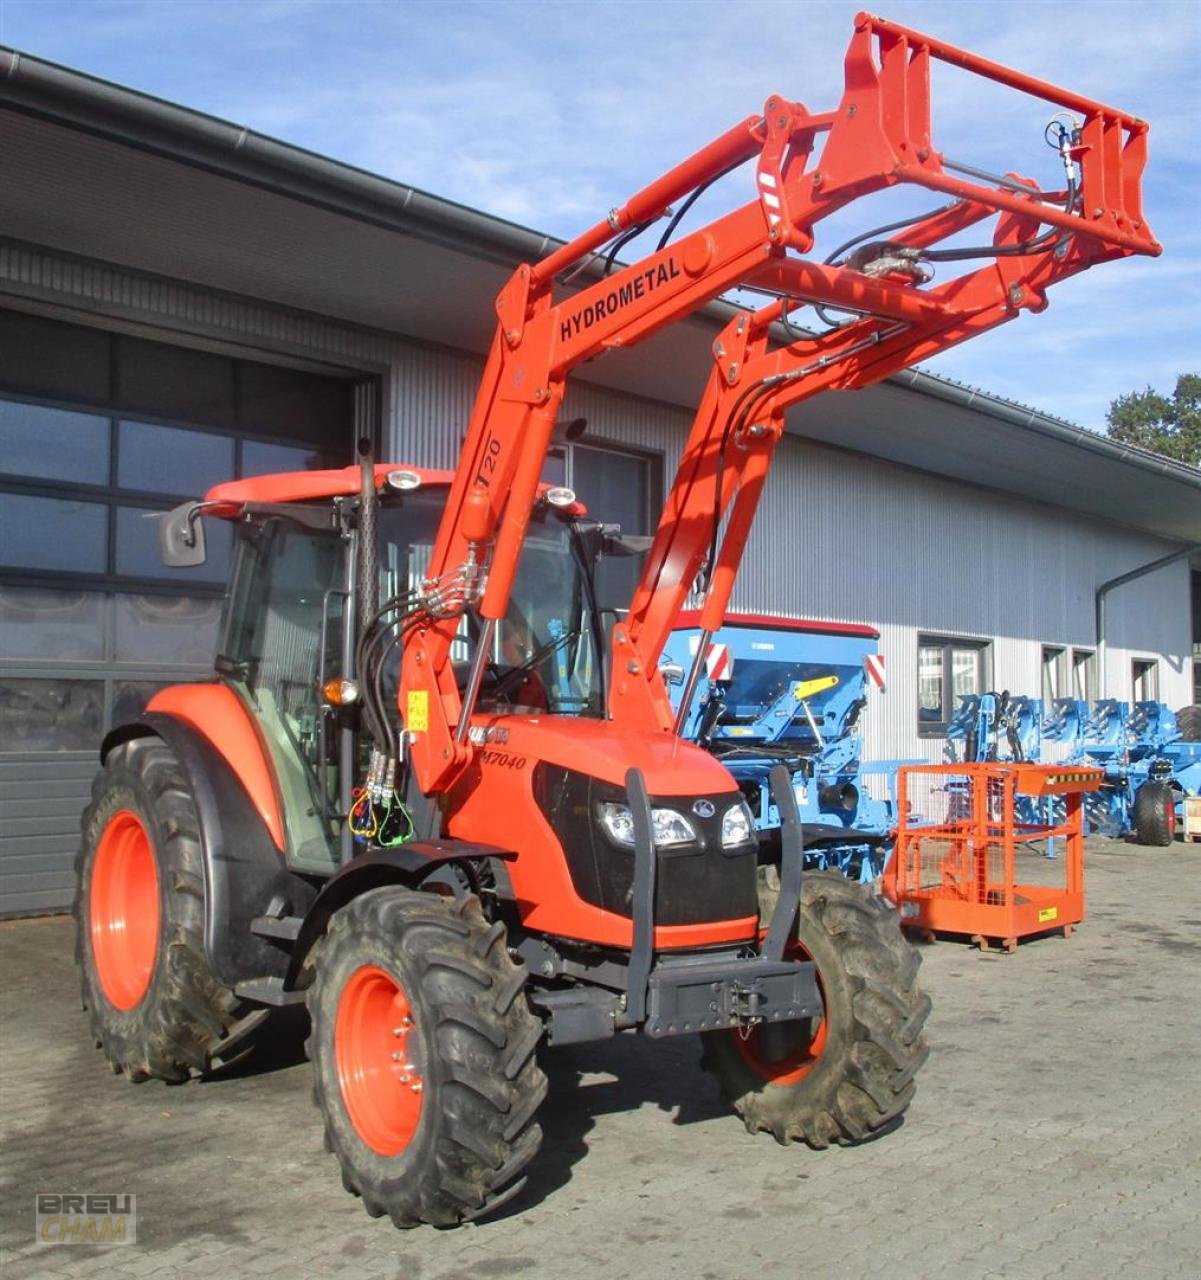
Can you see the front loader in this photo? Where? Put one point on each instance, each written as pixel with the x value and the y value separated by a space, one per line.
pixel 428 796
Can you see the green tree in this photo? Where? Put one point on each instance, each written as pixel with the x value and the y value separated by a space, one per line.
pixel 1152 421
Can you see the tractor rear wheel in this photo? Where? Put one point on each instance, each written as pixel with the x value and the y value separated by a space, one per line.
pixel 842 1077
pixel 423 1051
pixel 155 1009
pixel 1154 814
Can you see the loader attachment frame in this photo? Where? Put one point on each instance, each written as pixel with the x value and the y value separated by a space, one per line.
pixel 807 166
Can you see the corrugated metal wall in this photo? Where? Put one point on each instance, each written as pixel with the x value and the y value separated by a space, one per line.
pixel 432 389
pixel 42 796
pixel 906 552
pixel 840 537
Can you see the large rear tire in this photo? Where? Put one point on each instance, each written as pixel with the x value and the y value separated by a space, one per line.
pixel 1155 814
pixel 423 1051
pixel 154 1007
pixel 843 1077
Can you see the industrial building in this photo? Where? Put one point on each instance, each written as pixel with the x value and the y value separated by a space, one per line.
pixel 183 301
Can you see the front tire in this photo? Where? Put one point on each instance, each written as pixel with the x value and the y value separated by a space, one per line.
pixel 154 1007
pixel 843 1077
pixel 423 1057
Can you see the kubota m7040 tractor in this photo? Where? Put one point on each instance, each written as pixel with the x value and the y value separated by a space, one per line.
pixel 429 796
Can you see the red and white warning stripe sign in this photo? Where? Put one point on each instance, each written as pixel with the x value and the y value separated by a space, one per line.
pixel 873 665
pixel 718 662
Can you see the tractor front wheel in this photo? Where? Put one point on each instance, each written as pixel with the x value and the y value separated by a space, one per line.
pixel 842 1077
pixel 423 1056
pixel 155 1008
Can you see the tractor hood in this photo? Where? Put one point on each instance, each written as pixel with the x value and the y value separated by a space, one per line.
pixel 600 749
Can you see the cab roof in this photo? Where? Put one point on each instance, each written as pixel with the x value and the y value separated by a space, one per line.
pixel 307 486
pixel 311 486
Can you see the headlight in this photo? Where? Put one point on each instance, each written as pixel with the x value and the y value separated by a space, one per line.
pixel 618 821
pixel 737 825
pixel 667 826
pixel 670 827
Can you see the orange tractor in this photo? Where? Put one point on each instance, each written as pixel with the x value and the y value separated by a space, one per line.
pixel 429 795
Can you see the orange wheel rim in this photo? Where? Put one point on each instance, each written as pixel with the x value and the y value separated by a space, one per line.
pixel 783 1053
pixel 123 914
pixel 374 1039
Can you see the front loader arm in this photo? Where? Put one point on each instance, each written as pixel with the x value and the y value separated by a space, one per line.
pixel 753 383
pixel 807 167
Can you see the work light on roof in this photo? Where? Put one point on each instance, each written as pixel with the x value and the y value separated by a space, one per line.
pixel 560 496
pixel 404 480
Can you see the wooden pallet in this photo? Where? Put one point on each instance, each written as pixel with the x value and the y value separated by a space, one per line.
pixel 1192 819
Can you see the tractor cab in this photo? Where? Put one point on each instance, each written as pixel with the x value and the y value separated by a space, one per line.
pixel 288 643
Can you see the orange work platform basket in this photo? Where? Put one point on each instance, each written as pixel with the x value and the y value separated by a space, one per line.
pixel 964 832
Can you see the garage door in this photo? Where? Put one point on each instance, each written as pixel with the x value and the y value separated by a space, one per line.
pixel 98 432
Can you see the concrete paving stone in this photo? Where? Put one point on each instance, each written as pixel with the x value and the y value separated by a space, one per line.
pixel 1055 1133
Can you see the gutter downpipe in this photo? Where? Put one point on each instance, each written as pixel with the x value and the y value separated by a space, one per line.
pixel 1106 587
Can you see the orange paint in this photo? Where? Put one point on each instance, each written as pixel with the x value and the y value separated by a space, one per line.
pixel 381 1087
pixel 216 711
pixel 494 802
pixel 123 910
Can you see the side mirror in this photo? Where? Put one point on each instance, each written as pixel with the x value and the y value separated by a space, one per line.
pixel 671 672
pixel 181 536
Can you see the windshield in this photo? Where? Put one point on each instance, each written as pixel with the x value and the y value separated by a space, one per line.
pixel 545 651
pixel 545 654
pixel 283 633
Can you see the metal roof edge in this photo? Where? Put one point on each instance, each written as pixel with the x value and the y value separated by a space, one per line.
pixel 35 83
pixel 1027 418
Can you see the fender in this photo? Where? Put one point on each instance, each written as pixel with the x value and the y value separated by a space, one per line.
pixel 244 873
pixel 411 865
pixel 219 714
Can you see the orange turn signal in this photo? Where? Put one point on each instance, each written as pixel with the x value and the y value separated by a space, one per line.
pixel 339 692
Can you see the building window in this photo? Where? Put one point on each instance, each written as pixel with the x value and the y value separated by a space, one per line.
pixel 1145 679
pixel 1084 675
pixel 1054 662
pixel 948 668
pixel 93 444
pixel 626 486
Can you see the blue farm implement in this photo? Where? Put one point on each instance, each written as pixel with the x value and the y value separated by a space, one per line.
pixel 1149 765
pixel 1150 768
pixel 781 691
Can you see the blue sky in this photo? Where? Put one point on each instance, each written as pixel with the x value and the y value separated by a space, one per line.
pixel 550 113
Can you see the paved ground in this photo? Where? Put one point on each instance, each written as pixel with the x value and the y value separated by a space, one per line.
pixel 1055 1133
